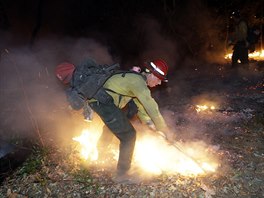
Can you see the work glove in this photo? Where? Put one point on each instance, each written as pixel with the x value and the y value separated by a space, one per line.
pixel 166 137
pixel 151 125
pixel 162 134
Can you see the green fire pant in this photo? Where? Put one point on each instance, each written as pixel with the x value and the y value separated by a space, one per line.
pixel 240 53
pixel 120 126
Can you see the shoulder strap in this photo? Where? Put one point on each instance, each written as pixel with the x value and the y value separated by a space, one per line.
pixel 124 72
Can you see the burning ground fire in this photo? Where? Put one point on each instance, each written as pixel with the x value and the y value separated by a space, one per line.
pixel 256 55
pixel 200 108
pixel 205 106
pixel 153 155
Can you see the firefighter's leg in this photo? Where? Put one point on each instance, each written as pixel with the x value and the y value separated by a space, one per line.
pixel 119 124
pixel 235 56
pixel 244 56
pixel 126 149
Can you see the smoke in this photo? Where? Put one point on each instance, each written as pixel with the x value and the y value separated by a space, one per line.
pixel 157 45
pixel 33 101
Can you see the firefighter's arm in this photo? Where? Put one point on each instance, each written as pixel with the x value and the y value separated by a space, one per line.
pixel 143 116
pixel 148 108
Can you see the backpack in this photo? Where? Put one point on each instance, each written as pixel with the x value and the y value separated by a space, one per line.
pixel 87 83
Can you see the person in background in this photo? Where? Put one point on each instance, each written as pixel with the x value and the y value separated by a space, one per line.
pixel 239 39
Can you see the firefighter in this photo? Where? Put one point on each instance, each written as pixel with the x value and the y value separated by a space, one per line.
pixel 124 87
pixel 240 49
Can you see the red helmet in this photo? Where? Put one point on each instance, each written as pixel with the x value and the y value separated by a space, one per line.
pixel 159 68
pixel 64 72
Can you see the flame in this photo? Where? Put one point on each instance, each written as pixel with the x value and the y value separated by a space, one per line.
pixel 257 55
pixel 87 141
pixel 156 156
pixel 153 155
pixel 200 108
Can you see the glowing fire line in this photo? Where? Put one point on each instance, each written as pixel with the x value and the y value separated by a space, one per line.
pixel 153 155
pixel 259 55
pixel 200 108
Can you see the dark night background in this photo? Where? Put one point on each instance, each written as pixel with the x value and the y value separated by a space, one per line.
pixel 131 30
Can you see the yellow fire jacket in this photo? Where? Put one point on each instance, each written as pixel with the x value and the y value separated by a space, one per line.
pixel 134 86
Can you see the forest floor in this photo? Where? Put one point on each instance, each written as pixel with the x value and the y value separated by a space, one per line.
pixel 232 132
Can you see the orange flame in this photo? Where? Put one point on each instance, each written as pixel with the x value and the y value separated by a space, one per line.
pixel 153 155
pixel 156 156
pixel 200 108
pixel 257 55
pixel 87 141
